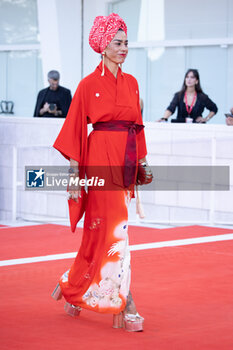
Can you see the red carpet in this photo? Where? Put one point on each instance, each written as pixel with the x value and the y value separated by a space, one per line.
pixel 184 293
pixel 28 241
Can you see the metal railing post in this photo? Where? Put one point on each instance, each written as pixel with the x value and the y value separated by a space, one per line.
pixel 14 183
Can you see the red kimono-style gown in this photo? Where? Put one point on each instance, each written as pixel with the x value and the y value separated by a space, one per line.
pixel 99 278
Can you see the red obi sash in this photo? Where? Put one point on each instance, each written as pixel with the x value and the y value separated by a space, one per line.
pixel 130 161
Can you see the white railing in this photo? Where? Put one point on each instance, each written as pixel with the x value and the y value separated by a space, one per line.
pixel 16 184
pixel 211 219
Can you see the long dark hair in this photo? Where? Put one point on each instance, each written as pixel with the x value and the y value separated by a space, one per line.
pixel 197 86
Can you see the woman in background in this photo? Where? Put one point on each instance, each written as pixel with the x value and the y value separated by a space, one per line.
pixel 190 101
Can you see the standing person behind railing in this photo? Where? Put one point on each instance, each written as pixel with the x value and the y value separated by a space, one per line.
pixel 53 101
pixel 191 102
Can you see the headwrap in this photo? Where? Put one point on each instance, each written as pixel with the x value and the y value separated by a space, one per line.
pixel 103 31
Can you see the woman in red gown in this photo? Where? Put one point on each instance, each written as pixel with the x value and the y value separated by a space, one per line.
pixel 99 278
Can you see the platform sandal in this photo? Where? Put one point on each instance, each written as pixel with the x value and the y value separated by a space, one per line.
pixel 57 293
pixel 72 310
pixel 130 322
pixel 118 320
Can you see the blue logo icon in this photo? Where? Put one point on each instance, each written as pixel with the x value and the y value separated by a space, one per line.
pixel 35 178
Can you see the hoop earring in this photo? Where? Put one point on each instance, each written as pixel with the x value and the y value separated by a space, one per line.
pixel 103 54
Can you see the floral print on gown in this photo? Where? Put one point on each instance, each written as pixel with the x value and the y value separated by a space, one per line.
pixel 99 279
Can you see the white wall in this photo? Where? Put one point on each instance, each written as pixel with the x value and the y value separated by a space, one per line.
pixel 61 42
pixel 31 139
pixel 60 38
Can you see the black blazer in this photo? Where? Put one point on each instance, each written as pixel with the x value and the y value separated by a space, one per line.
pixel 202 102
pixel 64 96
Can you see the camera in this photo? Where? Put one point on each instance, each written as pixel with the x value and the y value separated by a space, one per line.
pixel 52 106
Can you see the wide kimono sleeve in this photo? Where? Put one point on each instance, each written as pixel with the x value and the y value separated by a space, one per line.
pixel 72 139
pixel 141 141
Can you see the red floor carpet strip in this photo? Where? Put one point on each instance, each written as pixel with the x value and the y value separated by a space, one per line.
pixel 184 293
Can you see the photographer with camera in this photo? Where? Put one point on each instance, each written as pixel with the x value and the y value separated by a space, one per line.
pixel 54 101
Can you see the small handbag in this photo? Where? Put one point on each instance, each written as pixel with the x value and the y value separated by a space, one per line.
pixel 144 174
pixel 77 209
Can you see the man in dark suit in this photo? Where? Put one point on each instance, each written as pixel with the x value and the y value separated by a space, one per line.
pixel 54 101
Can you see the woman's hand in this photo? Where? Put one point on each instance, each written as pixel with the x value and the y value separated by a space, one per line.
pixel 206 119
pixel 200 120
pixel 162 120
pixel 167 114
pixel 74 187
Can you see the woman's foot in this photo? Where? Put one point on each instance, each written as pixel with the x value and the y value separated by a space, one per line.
pixel 130 305
pixel 133 322
pixel 129 318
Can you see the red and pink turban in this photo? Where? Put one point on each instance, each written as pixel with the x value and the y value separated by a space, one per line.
pixel 103 31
